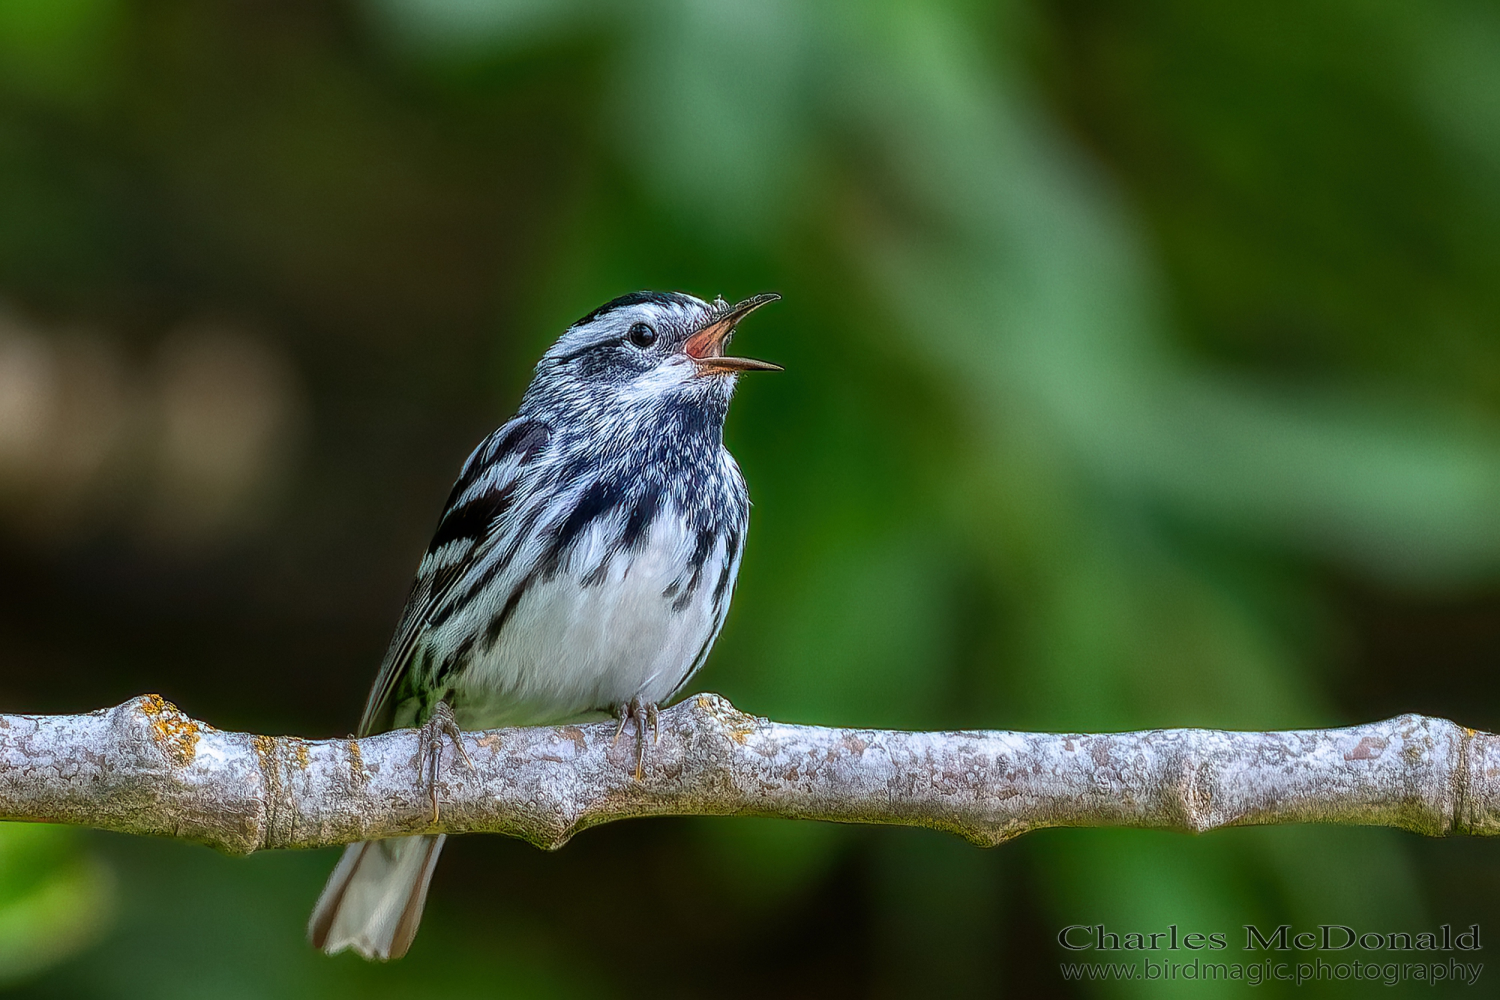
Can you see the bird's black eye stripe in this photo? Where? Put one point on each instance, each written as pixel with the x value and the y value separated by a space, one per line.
pixel 602 344
pixel 642 334
pixel 589 349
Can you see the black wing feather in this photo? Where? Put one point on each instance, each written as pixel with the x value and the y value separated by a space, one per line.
pixel 473 519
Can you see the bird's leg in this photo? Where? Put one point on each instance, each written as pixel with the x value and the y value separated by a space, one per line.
pixel 430 748
pixel 640 739
pixel 640 713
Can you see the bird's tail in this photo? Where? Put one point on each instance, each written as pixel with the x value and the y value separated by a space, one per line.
pixel 373 900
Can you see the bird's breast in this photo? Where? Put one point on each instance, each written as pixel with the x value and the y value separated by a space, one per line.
pixel 627 608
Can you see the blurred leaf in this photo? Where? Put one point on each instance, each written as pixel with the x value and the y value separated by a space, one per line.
pixel 59 48
pixel 55 899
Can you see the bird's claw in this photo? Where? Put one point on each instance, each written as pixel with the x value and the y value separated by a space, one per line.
pixel 430 749
pixel 642 714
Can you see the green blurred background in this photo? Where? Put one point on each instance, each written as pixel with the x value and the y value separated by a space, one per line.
pixel 1142 370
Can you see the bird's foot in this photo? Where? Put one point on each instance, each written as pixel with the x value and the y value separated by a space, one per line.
pixel 430 748
pixel 642 714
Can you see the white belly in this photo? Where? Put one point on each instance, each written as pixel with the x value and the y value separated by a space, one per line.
pixel 587 640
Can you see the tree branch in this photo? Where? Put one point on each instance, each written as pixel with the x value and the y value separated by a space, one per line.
pixel 144 767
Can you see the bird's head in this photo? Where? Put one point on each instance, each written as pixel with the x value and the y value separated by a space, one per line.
pixel 648 350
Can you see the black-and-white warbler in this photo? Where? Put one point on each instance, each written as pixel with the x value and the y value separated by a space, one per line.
pixel 583 565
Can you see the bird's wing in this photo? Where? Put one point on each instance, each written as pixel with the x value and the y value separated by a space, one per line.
pixel 472 520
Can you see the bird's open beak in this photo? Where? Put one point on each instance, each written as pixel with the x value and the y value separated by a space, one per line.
pixel 707 345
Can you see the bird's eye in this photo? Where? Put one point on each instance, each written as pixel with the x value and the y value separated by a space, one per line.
pixel 642 335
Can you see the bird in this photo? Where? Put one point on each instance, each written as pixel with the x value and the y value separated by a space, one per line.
pixel 582 567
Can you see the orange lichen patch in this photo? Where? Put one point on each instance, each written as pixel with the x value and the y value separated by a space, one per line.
pixel 356 763
pixel 174 732
pixel 265 749
pixel 300 754
pixel 740 725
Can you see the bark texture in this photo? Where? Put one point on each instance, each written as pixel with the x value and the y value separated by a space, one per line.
pixel 145 767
